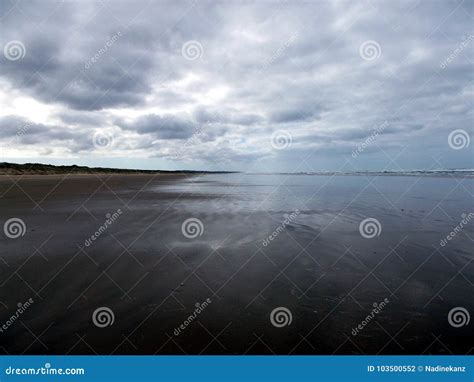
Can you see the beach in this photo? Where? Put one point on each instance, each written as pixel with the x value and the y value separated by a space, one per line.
pixel 235 264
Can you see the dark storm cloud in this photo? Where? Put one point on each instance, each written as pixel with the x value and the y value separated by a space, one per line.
pixel 27 132
pixel 81 118
pixel 11 126
pixel 163 127
pixel 76 57
pixel 225 116
pixel 293 115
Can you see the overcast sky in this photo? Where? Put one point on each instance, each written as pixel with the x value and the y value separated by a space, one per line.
pixel 252 86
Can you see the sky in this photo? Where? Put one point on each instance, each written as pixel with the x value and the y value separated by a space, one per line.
pixel 265 86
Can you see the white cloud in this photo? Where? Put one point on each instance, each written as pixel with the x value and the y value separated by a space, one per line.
pixel 293 66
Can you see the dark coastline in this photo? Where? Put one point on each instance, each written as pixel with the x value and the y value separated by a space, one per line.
pixel 47 169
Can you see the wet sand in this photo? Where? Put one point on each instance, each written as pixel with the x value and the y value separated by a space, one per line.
pixel 152 277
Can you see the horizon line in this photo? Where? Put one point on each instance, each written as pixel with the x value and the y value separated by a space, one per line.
pixel 321 172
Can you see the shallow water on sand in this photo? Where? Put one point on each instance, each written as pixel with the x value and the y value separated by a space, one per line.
pixel 255 243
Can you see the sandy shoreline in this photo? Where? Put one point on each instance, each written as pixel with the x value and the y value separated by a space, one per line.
pixel 151 276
